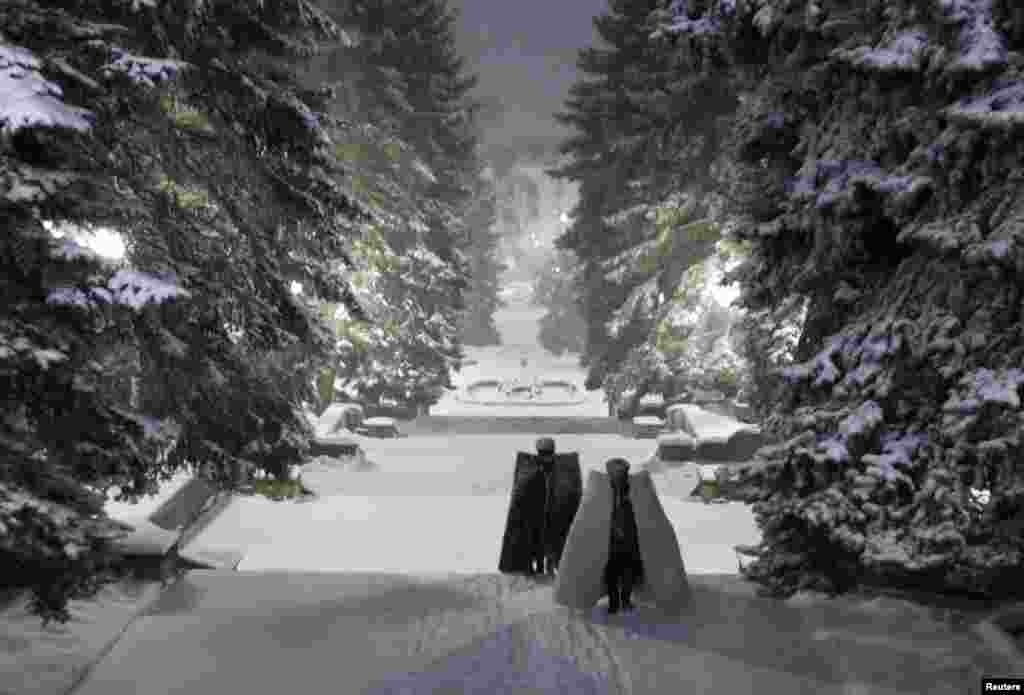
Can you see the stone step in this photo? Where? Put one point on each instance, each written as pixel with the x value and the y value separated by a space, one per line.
pixel 539 425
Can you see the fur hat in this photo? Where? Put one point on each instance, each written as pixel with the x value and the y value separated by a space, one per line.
pixel 545 445
pixel 617 467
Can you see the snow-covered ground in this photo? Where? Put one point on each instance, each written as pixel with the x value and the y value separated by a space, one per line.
pixel 518 324
pixel 219 633
pixel 430 514
pixel 129 512
pixel 438 504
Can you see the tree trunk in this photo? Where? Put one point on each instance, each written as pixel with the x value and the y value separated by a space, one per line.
pixel 820 322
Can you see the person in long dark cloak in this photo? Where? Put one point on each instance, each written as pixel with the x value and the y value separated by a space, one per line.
pixel 546 494
pixel 540 548
pixel 624 568
pixel 583 573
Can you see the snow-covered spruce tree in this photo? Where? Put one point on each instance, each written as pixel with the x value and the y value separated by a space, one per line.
pixel 407 351
pixel 636 189
pixel 485 267
pixel 561 328
pixel 414 41
pixel 875 166
pixel 416 84
pixel 168 122
pixel 690 344
pixel 407 343
pixel 695 336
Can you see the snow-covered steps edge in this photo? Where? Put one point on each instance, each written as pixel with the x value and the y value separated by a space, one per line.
pixel 167 537
pixel 55 659
pixel 207 557
pixel 998 631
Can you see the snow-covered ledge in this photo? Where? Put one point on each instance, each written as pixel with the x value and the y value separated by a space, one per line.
pixel 167 530
pixel 998 632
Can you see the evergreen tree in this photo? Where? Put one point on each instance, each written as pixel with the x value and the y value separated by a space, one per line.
pixel 635 197
pixel 873 164
pixel 561 328
pixel 180 125
pixel 414 43
pixel 408 175
pixel 407 344
pixel 485 268
pixel 415 83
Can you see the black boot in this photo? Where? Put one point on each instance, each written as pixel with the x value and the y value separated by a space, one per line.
pixel 626 588
pixel 614 594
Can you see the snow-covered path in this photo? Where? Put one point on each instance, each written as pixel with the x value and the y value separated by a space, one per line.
pixel 422 535
pixel 518 325
pixel 438 503
pixel 220 633
pixel 389 587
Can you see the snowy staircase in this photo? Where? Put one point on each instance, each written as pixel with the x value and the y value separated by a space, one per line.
pixel 162 540
pixel 382 633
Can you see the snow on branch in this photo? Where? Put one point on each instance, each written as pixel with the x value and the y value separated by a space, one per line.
pixel 639 299
pixel 822 364
pixel 898 449
pixel 981 46
pixel 903 52
pixel 424 255
pixel 423 170
pixel 834 449
pixel 28 100
pixel 69 250
pixel 862 421
pixel 1001 108
pixel 27 348
pixel 993 251
pixel 127 287
pixel 837 178
pixel 643 211
pixel 144 70
pixel 710 22
pixel 623 265
pixel 160 429
pixel 138 289
pixel 986 386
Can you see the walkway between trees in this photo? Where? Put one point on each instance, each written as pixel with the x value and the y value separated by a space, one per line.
pixel 228 633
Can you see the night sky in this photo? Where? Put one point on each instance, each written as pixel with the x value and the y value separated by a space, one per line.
pixel 525 54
